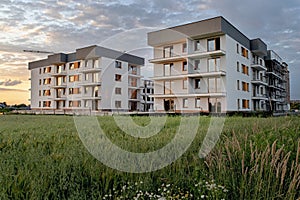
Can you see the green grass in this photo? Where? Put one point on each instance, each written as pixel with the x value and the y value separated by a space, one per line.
pixel 42 157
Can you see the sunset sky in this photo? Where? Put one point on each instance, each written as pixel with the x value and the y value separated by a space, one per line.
pixel 63 26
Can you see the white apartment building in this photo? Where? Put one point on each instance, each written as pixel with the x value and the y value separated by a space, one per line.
pixel 92 79
pixel 208 66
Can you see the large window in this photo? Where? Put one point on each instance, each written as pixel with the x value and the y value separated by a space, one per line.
pixel 245 69
pixel 74 78
pixel 74 91
pixel 168 69
pixel 118 77
pixel 47 81
pixel 185 102
pixel 132 69
pixel 184 66
pixel 74 103
pixel 245 52
pixel 168 51
pixel 246 104
pixel 118 64
pixel 168 87
pixel 197 45
pixel 197 103
pixel 74 65
pixel 213 44
pixel 46 93
pixel 214 85
pixel 118 104
pixel 46 104
pixel 184 48
pixel 197 65
pixel 245 86
pixel 118 90
pixel 184 83
pixel 197 83
pixel 214 64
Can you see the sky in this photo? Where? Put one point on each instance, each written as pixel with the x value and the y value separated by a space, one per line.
pixel 63 26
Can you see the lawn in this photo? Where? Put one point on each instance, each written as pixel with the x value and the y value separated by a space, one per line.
pixel 42 157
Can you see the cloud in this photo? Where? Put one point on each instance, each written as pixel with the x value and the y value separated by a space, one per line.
pixel 16 90
pixel 10 83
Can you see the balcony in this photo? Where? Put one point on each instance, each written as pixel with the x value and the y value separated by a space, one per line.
pixel 62 85
pixel 258 81
pixel 174 58
pixel 212 94
pixel 258 67
pixel 195 74
pixel 86 97
pixel 206 54
pixel 260 97
pixel 59 74
pixel 88 83
pixel 90 70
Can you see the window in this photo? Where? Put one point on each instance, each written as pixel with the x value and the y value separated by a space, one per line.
pixel 132 69
pixel 47 70
pixel 40 93
pixel 75 65
pixel 118 77
pixel 214 85
pixel 246 104
pixel 185 103
pixel 213 44
pixel 245 86
pixel 245 69
pixel 46 93
pixel 197 83
pixel 86 90
pixel 86 77
pixel 118 104
pixel 74 91
pixel 46 104
pixel 238 66
pixel 238 84
pixel 261 90
pixel 238 104
pixel 237 49
pixel 60 92
pixel 74 78
pixel 167 87
pixel 118 64
pixel 184 48
pixel 168 51
pixel 47 81
pixel 184 66
pixel 197 45
pixel 133 82
pixel 95 77
pixel 168 69
pixel 40 73
pixel 214 64
pixel 40 104
pixel 244 52
pixel 118 90
pixel 197 65
pixel 184 83
pixel 40 82
pixel 197 103
pixel 74 103
pixel 71 66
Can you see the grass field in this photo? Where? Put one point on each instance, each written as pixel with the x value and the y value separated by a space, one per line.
pixel 42 157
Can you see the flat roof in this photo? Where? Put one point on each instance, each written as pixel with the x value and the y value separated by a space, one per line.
pixel 89 52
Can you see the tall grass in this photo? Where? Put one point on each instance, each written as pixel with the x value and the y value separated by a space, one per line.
pixel 42 157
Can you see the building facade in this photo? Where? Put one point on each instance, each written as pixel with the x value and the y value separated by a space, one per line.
pixel 147 90
pixel 93 79
pixel 209 66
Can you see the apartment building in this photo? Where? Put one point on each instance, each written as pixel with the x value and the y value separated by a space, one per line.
pixel 147 90
pixel 278 83
pixel 92 79
pixel 208 66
